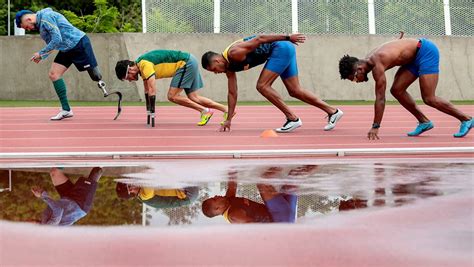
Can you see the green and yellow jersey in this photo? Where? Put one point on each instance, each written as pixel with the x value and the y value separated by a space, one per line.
pixel 147 193
pixel 161 63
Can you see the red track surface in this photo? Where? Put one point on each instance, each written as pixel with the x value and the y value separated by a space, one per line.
pixel 92 129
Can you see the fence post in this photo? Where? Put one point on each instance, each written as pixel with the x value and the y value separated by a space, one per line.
pixel 447 17
pixel 371 11
pixel 217 16
pixel 144 16
pixel 8 24
pixel 294 16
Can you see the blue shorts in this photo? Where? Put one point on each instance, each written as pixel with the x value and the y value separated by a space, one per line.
pixel 81 55
pixel 426 61
pixel 282 59
pixel 188 77
pixel 282 207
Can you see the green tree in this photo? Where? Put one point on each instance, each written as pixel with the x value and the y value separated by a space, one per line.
pixel 103 19
pixel 88 15
pixel 3 18
pixel 21 205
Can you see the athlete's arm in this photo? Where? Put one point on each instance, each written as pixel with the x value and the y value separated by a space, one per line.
pixel 145 86
pixel 378 73
pixel 231 189
pixel 150 85
pixel 49 25
pixel 239 51
pixel 231 99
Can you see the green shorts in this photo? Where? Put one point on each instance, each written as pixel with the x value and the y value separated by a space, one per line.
pixel 188 77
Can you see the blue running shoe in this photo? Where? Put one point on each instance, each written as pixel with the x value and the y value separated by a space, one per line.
pixel 421 128
pixel 464 129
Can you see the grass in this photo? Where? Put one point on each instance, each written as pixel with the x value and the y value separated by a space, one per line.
pixel 42 103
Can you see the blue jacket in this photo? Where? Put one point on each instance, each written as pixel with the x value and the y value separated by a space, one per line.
pixel 61 212
pixel 56 31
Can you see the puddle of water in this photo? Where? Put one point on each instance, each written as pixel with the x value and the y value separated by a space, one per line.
pixel 185 193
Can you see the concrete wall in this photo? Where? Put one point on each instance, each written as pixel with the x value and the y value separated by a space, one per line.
pixel 317 62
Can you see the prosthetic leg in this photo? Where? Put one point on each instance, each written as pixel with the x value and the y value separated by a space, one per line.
pixel 96 76
pixel 148 112
pixel 152 100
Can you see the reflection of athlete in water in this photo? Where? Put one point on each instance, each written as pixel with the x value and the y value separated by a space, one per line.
pixel 158 198
pixel 280 205
pixel 76 199
pixel 235 209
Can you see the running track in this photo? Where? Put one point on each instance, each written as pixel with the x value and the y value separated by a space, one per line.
pixel 93 130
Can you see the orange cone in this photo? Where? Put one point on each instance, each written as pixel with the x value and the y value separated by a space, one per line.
pixel 269 133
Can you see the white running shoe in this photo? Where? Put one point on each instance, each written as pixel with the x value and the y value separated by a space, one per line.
pixel 62 115
pixel 289 126
pixel 333 119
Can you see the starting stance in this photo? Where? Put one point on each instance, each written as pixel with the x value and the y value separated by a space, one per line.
pixel 418 59
pixel 184 70
pixel 279 53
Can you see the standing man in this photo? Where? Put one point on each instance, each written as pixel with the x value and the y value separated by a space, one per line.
pixel 184 70
pixel 74 48
pixel 279 54
pixel 417 59
pixel 75 199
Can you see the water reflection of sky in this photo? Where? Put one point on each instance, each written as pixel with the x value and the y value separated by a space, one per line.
pixel 320 187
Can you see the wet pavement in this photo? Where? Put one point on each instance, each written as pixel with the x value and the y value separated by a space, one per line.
pixel 223 192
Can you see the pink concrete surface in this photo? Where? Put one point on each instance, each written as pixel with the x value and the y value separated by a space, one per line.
pixel 435 232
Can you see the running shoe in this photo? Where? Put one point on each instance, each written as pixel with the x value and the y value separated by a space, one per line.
pixel 332 120
pixel 421 128
pixel 224 118
pixel 289 126
pixel 205 117
pixel 465 128
pixel 62 115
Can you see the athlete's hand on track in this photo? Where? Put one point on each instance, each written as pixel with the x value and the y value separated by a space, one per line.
pixel 297 38
pixel 36 58
pixel 225 126
pixel 373 134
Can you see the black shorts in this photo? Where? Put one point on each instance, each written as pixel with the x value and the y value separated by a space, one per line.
pixel 82 192
pixel 81 55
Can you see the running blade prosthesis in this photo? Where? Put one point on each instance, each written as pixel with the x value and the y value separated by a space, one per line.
pixel 101 85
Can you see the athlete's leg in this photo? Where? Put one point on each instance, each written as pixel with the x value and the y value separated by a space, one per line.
pixel 96 76
pixel 206 102
pixel 428 83
pixel 175 97
pixel 55 75
pixel 95 174
pixel 264 87
pixel 295 90
pixel 57 176
pixel 403 79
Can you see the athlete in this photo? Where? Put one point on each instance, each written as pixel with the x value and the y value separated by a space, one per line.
pixel 279 55
pixel 184 70
pixel 74 48
pixel 418 59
